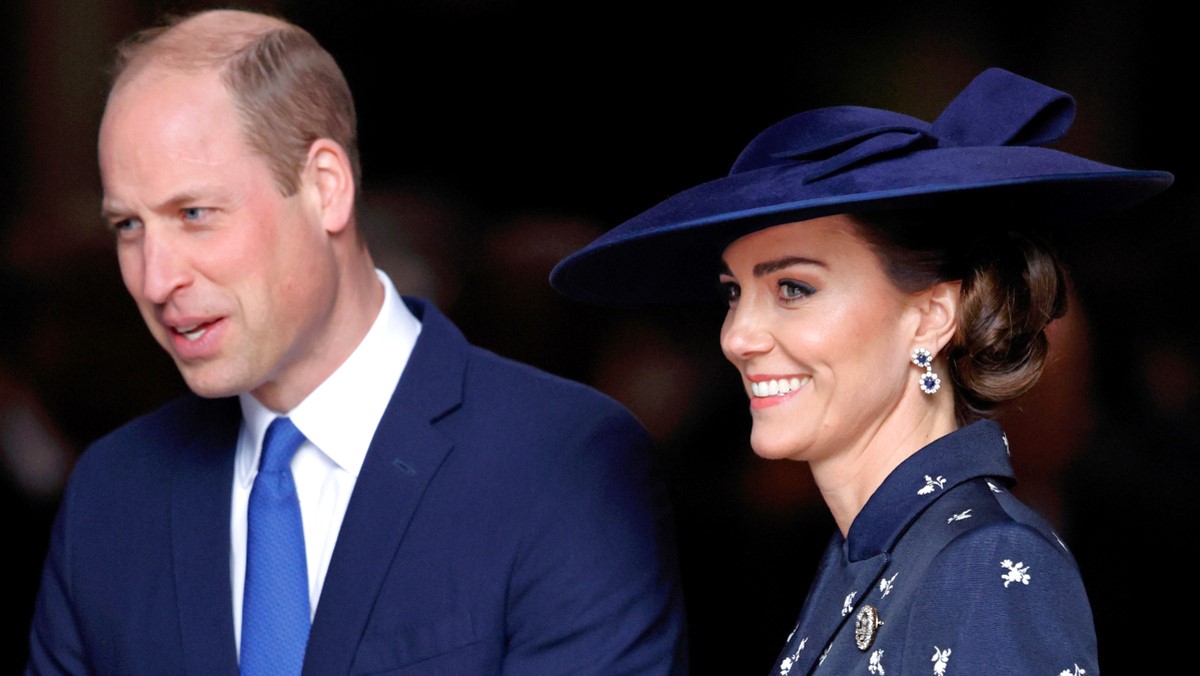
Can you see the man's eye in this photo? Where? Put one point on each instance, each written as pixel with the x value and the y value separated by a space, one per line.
pixel 125 225
pixel 193 213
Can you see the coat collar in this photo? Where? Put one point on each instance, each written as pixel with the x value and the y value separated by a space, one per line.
pixel 977 450
pixel 855 563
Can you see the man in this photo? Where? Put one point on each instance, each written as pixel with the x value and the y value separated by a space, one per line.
pixel 487 517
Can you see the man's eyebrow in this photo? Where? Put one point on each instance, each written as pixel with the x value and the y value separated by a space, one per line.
pixel 109 210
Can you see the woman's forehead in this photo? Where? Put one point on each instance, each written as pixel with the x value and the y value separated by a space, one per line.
pixel 805 239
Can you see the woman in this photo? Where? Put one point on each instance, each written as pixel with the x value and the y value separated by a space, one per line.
pixel 888 287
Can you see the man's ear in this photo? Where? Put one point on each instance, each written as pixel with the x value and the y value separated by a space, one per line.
pixel 329 180
pixel 938 307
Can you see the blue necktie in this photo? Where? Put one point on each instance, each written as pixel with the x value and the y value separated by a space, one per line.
pixel 275 609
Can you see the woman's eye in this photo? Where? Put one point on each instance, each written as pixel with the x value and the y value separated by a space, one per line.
pixel 730 291
pixel 793 290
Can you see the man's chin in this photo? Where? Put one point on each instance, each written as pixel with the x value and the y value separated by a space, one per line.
pixel 203 383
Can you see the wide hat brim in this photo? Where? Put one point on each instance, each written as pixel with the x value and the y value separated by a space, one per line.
pixel 981 155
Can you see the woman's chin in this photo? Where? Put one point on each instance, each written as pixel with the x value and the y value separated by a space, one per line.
pixel 770 447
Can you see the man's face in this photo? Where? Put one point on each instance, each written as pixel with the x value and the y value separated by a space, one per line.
pixel 235 281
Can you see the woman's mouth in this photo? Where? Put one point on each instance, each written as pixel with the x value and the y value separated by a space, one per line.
pixel 778 387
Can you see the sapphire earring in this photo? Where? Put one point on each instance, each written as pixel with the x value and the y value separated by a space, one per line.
pixel 929 381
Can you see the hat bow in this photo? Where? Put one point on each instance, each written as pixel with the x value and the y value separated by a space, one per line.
pixel 998 108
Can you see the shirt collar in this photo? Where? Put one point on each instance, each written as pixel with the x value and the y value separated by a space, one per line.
pixel 977 450
pixel 340 416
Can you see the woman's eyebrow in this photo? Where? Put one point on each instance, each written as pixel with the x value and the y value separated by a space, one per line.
pixel 767 267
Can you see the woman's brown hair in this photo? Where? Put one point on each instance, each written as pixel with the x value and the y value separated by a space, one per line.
pixel 1013 286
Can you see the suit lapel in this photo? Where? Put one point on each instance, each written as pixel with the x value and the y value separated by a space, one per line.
pixel 404 455
pixel 200 541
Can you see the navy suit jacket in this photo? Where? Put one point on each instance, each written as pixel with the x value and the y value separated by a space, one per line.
pixel 504 520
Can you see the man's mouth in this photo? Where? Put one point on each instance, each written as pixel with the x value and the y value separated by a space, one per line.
pixel 193 332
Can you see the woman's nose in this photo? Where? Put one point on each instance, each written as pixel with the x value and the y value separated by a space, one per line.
pixel 744 334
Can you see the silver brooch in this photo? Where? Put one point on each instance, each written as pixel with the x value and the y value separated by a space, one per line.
pixel 866 623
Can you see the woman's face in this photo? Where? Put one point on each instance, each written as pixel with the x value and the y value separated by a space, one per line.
pixel 820 335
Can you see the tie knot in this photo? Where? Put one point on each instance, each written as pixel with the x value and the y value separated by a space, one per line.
pixel 279 445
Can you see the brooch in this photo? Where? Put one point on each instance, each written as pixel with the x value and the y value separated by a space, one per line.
pixel 866 623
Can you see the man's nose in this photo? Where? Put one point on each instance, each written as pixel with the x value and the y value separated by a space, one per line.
pixel 164 266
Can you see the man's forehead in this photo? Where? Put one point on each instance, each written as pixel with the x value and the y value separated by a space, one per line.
pixel 165 105
pixel 155 75
pixel 165 133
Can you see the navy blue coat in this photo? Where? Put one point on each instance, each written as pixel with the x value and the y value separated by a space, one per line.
pixel 504 520
pixel 964 578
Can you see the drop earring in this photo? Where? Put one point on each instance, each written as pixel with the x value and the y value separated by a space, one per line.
pixel 929 381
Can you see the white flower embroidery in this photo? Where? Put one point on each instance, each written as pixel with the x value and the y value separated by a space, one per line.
pixel 931 483
pixel 876 665
pixel 1017 572
pixel 793 633
pixel 965 514
pixel 1004 438
pixel 1076 672
pixel 824 654
pixel 885 585
pixel 940 659
pixel 994 487
pixel 788 662
pixel 848 604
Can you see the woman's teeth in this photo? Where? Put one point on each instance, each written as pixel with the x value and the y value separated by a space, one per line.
pixel 778 387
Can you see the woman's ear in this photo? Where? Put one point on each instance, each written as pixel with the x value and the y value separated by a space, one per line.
pixel 330 181
pixel 938 309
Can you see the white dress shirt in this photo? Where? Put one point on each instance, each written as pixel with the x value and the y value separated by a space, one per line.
pixel 338 419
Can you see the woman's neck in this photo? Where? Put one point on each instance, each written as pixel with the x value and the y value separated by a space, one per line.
pixel 847 479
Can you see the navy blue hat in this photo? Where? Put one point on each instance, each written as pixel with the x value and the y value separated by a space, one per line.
pixel 983 152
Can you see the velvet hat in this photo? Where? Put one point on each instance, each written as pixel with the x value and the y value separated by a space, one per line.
pixel 985 151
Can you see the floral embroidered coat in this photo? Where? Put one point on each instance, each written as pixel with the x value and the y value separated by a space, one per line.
pixel 963 577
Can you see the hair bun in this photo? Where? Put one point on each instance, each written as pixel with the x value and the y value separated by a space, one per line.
pixel 1013 288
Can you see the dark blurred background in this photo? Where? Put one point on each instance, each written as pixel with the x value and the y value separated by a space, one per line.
pixel 499 135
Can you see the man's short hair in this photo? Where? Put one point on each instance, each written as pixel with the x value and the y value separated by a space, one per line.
pixel 287 89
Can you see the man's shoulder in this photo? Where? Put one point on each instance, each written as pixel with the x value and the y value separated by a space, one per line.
pixel 520 384
pixel 526 409
pixel 172 425
pixel 497 381
pixel 133 466
pixel 179 418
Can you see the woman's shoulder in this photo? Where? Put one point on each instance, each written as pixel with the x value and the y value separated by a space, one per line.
pixel 981 515
pixel 978 552
pixel 977 584
pixel 990 588
pixel 1000 589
